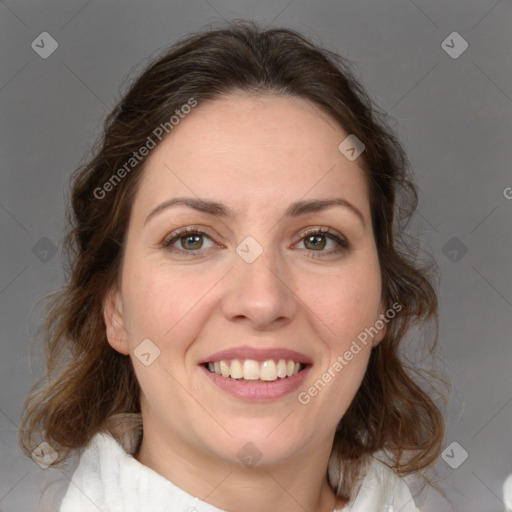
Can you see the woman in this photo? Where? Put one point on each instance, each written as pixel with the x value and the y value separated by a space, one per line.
pixel 229 337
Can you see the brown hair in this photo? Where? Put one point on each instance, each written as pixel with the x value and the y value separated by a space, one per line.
pixel 88 381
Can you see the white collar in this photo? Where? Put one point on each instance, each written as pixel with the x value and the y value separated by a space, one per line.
pixel 110 479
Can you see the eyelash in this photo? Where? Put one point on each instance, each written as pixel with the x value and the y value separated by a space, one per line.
pixel 342 242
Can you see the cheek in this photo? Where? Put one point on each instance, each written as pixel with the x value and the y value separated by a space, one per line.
pixel 342 307
pixel 166 309
pixel 345 303
pixel 164 306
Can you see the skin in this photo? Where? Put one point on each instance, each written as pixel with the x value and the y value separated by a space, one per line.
pixel 256 154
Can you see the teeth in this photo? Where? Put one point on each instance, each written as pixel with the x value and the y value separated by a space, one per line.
pixel 281 369
pixel 268 371
pixel 250 369
pixel 235 370
pixel 224 369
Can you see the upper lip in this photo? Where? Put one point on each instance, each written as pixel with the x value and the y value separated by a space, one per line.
pixel 257 354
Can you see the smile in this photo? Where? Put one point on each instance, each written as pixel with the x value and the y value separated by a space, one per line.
pixel 256 374
pixel 252 370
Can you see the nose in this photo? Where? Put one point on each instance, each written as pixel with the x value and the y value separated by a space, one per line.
pixel 260 292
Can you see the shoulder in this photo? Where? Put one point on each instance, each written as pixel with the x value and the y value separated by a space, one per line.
pixel 382 490
pixel 110 479
pixel 99 461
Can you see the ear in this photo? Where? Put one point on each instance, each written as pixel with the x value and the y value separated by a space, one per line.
pixel 114 321
pixel 381 323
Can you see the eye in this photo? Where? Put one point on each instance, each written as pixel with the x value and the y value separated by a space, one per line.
pixel 191 240
pixel 317 240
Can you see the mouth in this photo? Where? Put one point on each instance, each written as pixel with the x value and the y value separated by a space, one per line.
pixel 256 375
pixel 252 370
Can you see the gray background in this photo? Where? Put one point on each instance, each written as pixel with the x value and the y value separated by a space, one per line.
pixel 454 117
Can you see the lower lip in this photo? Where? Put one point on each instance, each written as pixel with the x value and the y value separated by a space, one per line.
pixel 257 391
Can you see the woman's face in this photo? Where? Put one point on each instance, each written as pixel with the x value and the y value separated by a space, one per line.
pixel 256 289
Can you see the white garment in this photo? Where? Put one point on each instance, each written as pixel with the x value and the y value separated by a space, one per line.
pixel 109 479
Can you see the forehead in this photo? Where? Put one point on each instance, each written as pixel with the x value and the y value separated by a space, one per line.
pixel 253 150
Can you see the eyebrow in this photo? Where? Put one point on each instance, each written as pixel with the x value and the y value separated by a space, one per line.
pixel 295 209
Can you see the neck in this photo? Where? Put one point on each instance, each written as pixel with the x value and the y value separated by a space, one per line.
pixel 296 485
